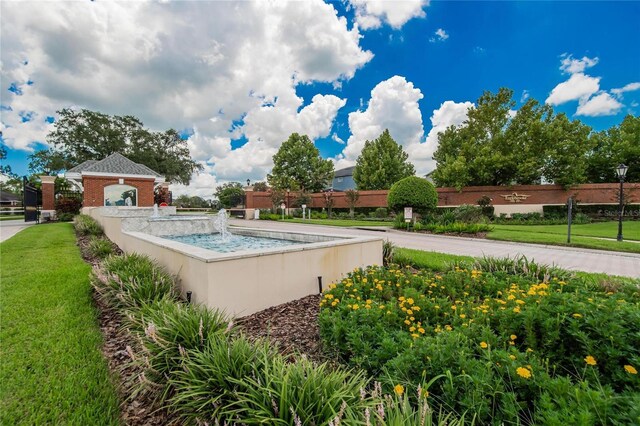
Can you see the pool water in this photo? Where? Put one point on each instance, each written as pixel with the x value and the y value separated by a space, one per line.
pixel 234 243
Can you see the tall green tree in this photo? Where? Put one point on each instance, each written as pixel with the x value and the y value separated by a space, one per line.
pixel 494 146
pixel 619 144
pixel 298 166
pixel 230 194
pixel 381 163
pixel 81 135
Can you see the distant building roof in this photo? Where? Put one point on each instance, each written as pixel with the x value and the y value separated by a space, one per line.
pixel 8 197
pixel 116 163
pixel 343 179
pixel 347 171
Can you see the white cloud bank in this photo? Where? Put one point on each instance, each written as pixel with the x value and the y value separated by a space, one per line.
pixel 205 66
pixel 585 89
pixel 394 106
pixel 371 14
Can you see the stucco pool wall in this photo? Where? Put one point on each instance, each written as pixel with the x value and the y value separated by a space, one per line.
pixel 245 282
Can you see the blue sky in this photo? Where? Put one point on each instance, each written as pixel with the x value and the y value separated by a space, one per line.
pixel 241 76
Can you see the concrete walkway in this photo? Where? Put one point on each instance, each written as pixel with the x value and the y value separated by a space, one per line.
pixel 9 228
pixel 613 263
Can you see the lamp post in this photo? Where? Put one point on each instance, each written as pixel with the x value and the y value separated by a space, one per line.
pixel 621 171
pixel 248 182
pixel 288 207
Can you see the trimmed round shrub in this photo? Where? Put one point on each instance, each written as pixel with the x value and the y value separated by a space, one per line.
pixel 414 192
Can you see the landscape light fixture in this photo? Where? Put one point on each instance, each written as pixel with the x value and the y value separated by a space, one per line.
pixel 621 171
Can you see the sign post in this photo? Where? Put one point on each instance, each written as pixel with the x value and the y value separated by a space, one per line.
pixel 408 216
pixel 282 206
pixel 304 208
pixel 569 208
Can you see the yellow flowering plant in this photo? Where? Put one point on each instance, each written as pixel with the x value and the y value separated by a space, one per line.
pixel 426 323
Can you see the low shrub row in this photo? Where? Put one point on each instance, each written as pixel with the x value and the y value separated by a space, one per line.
pixel 198 366
pixel 606 211
pixel 85 225
pixel 507 342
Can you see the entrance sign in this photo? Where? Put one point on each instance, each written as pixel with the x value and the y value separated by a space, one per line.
pixel 408 214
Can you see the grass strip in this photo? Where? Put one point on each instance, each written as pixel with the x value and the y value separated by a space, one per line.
pixel 21 217
pixel 630 229
pixel 51 367
pixel 430 260
pixel 561 240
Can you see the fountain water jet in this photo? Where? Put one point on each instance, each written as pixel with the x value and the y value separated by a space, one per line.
pixel 155 211
pixel 221 222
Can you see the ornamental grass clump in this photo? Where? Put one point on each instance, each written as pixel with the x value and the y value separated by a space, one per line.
pixel 99 247
pixel 131 280
pixel 503 340
pixel 167 330
pixel 85 225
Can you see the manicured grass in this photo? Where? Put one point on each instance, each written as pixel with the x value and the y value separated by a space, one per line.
pixel 630 229
pixel 17 217
pixel 531 236
pixel 430 260
pixel 340 222
pixel 438 262
pixel 51 367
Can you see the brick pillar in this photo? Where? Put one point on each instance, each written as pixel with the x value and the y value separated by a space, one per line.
pixel 48 193
pixel 248 194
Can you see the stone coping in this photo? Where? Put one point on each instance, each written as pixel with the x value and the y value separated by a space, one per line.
pixel 210 256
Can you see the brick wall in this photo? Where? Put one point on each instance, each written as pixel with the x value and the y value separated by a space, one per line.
pixel 94 190
pixel 597 193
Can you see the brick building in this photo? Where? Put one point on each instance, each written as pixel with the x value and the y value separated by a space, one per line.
pixel 115 181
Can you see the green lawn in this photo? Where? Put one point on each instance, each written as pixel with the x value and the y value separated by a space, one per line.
pixel 438 262
pixel 340 222
pixel 586 236
pixel 431 260
pixel 630 229
pixel 51 367
pixel 16 217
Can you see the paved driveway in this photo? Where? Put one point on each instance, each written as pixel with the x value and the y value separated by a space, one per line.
pixel 615 263
pixel 9 228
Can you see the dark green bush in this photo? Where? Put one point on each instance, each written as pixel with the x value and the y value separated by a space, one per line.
pixel 65 217
pixel 381 213
pixel 457 228
pixel 414 192
pixel 467 213
pixel 68 205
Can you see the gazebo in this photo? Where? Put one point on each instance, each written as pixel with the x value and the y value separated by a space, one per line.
pixel 115 181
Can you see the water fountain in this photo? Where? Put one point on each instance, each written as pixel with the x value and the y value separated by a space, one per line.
pixel 155 211
pixel 221 223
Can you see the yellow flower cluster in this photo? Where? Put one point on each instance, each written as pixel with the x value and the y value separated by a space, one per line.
pixel 523 372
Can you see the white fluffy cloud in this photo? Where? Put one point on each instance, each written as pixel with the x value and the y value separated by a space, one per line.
pixel 224 69
pixel 571 65
pixel 449 114
pixel 440 35
pixel 592 101
pixel 370 14
pixel 578 86
pixel 627 88
pixel 394 106
pixel 599 105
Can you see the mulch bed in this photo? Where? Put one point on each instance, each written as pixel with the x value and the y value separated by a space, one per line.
pixel 479 235
pixel 292 327
pixel 135 410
